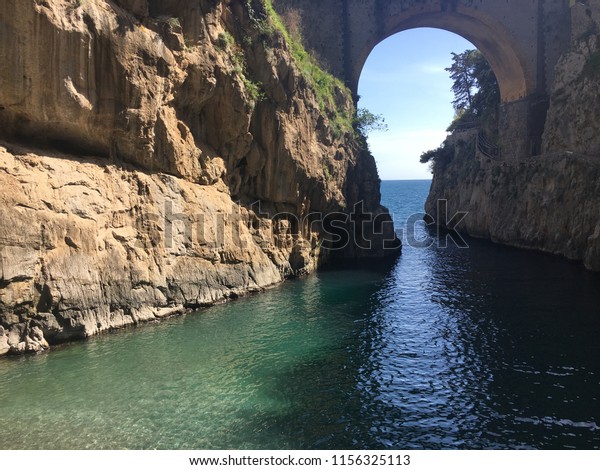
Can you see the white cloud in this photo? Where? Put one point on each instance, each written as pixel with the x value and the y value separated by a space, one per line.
pixel 414 73
pixel 406 142
pixel 372 77
pixel 397 154
pixel 432 69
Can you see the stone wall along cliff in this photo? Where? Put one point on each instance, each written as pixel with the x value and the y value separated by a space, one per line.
pixel 550 202
pixel 573 122
pixel 159 156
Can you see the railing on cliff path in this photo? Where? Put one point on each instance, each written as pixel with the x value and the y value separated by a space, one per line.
pixel 486 148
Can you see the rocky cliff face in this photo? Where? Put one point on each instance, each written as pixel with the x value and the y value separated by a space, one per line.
pixel 574 114
pixel 550 202
pixel 160 156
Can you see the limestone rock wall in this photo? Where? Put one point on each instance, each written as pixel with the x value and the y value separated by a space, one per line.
pixel 138 137
pixel 574 114
pixel 549 203
pixel 88 247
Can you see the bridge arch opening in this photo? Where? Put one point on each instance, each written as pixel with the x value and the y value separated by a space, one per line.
pixel 405 81
pixel 516 76
pixel 522 41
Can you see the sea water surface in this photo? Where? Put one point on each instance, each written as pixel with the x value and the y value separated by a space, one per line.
pixel 486 347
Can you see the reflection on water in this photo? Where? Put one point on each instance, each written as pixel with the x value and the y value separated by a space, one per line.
pixel 486 347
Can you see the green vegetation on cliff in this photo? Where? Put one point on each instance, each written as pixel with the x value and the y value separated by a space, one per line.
pixel 331 92
pixel 476 103
pixel 476 91
pixel 226 42
pixel 440 156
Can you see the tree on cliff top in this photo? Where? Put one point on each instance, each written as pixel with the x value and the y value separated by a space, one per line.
pixel 476 102
pixel 476 91
pixel 367 122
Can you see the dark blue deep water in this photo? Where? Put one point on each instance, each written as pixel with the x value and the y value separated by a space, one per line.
pixel 485 347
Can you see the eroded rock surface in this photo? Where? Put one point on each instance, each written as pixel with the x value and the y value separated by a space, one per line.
pixel 549 202
pixel 87 247
pixel 572 123
pixel 160 156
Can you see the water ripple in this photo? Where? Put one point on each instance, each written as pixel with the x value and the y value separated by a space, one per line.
pixel 481 348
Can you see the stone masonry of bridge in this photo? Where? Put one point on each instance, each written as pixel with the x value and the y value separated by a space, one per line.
pixel 522 40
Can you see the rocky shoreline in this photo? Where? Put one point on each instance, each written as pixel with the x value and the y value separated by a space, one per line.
pixel 172 155
pixel 548 203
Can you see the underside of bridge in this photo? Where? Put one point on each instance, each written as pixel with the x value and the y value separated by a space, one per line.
pixel 521 40
pixel 513 71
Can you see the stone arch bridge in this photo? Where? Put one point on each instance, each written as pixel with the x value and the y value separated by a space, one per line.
pixel 522 40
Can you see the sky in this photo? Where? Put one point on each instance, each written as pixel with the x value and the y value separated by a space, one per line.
pixel 404 81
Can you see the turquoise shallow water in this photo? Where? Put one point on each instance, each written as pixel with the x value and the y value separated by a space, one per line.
pixel 486 347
